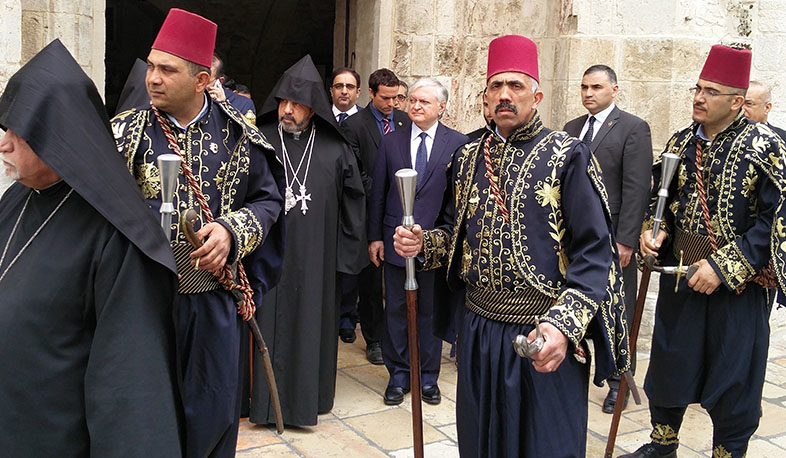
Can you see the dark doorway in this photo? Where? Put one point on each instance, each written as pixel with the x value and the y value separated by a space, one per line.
pixel 258 39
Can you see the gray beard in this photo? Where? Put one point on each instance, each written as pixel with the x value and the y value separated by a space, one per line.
pixel 295 129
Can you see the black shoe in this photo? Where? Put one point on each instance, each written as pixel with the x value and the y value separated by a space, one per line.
pixel 430 394
pixel 649 451
pixel 374 353
pixel 394 395
pixel 347 335
pixel 611 399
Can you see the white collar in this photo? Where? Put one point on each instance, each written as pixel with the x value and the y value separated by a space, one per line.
pixel 603 114
pixel 430 132
pixel 349 112
pixel 198 116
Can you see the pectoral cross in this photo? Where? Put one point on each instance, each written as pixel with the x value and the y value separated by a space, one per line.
pixel 302 198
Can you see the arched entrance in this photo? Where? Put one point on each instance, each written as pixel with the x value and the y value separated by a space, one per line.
pixel 258 39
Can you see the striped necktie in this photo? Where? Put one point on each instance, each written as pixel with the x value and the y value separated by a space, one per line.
pixel 386 127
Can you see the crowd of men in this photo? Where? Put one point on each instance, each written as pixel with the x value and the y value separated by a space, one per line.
pixel 131 344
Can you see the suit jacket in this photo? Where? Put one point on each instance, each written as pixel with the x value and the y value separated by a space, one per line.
pixel 363 134
pixel 385 204
pixel 623 148
pixel 781 133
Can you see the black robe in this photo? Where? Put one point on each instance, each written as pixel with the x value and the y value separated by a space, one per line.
pixel 299 317
pixel 86 336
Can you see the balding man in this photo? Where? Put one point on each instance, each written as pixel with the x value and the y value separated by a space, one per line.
pixel 758 103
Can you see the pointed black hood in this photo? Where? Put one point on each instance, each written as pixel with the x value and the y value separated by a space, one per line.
pixel 55 107
pixel 301 83
pixel 134 94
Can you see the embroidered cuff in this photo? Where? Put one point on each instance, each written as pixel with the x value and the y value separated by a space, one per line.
pixel 571 314
pixel 731 264
pixel 435 248
pixel 245 229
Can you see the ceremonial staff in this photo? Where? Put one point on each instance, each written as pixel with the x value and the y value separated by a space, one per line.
pixel 407 181
pixel 169 165
pixel 668 167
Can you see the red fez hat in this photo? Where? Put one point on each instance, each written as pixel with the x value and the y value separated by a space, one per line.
pixel 728 66
pixel 187 35
pixel 513 53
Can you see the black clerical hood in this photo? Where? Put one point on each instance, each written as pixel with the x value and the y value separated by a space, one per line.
pixel 301 83
pixel 55 107
pixel 134 93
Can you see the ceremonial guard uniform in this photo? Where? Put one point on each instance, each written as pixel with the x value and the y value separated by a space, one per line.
pixel 726 206
pixel 233 166
pixel 527 229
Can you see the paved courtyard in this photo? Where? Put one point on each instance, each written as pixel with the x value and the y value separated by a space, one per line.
pixel 360 425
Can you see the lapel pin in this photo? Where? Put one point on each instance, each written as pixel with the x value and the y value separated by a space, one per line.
pixel 610 123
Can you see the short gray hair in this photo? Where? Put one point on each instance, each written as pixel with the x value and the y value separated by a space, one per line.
pixel 764 87
pixel 534 83
pixel 439 89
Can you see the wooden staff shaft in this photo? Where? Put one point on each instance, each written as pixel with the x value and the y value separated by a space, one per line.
pixel 414 372
pixel 633 336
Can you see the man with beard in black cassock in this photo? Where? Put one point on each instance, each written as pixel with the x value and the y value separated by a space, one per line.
pixel 87 281
pixel 325 207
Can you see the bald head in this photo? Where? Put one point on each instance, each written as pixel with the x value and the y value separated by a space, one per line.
pixel 757 102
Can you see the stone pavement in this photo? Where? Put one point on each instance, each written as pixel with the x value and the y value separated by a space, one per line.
pixel 360 425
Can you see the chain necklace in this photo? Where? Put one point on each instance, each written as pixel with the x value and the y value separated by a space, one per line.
pixel 30 240
pixel 290 199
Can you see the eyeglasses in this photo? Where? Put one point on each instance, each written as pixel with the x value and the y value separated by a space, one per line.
pixel 340 86
pixel 751 103
pixel 708 93
pixel 401 97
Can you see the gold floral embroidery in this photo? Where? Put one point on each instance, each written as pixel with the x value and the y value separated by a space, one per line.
pixel 246 230
pixel 733 265
pixel 148 177
pixel 572 314
pixel 720 452
pixel 435 248
pixel 664 435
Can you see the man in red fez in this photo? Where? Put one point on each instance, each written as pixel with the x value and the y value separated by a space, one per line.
pixel 227 177
pixel 527 232
pixel 711 336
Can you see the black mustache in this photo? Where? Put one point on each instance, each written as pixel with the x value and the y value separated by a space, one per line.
pixel 507 105
pixel 289 117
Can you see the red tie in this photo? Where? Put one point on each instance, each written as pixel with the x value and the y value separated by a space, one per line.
pixel 386 128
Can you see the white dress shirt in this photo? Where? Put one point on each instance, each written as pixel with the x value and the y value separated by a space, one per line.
pixel 349 112
pixel 414 141
pixel 600 118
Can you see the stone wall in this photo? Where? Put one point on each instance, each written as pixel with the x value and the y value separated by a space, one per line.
pixel 26 26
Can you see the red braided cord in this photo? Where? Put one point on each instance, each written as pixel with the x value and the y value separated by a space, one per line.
pixel 703 196
pixel 493 180
pixel 246 307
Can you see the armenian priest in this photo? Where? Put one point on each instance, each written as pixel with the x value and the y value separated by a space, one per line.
pixel 87 281
pixel 325 217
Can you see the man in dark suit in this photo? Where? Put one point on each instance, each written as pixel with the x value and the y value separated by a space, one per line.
pixel 344 92
pixel 622 145
pixel 426 146
pixel 364 130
